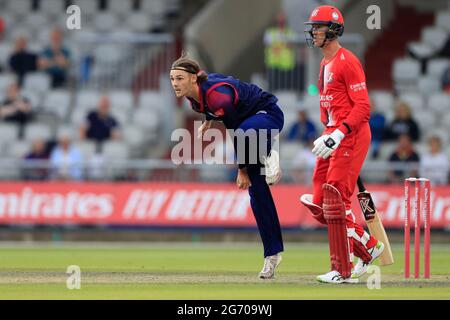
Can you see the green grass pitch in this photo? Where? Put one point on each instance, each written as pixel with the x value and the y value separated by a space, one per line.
pixel 199 271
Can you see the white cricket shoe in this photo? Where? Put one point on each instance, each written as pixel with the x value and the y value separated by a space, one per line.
pixel 361 267
pixel 272 166
pixel 335 277
pixel 270 263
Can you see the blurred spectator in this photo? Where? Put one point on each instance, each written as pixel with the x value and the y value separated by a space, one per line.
pixel 66 160
pixel 403 123
pixel 303 130
pixel 100 124
pixel 377 127
pixel 16 108
pixel 303 164
pixel 434 165
pixel 55 59
pixel 446 80
pixel 403 156
pixel 38 153
pixel 280 54
pixel 22 60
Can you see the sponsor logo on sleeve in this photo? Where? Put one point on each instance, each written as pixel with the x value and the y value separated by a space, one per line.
pixel 358 87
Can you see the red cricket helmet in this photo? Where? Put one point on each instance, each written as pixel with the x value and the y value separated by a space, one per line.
pixel 328 16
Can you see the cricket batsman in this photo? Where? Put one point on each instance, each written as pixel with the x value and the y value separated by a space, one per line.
pixel 341 150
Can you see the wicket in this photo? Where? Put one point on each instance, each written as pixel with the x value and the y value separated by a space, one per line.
pixel 421 191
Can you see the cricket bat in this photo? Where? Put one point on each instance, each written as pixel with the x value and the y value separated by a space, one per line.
pixel 374 223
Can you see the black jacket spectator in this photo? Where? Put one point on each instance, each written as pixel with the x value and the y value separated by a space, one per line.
pixel 100 124
pixel 403 156
pixel 38 152
pixel 403 123
pixel 16 108
pixel 22 61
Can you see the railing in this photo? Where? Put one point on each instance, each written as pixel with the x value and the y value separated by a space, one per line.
pixel 123 60
pixel 166 170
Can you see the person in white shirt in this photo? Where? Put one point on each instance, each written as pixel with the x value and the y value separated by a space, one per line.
pixel 435 164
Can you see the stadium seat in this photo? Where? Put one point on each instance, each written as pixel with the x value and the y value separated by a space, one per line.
pixel 445 120
pixel 405 73
pixel 426 120
pixel 290 117
pixel 79 114
pixel 152 99
pixel 421 50
pixel 384 100
pixel 17 149
pixel 5 80
pixel 34 97
pixel 436 67
pixel 442 20
pixel 440 103
pixel 108 55
pixel 36 20
pixel 421 148
pixel 288 150
pixel 38 130
pixel 5 51
pixel 87 98
pixel 17 7
pixel 105 22
pixel 36 46
pixel 115 150
pixel 434 36
pixel 386 149
pixel 413 99
pixel 287 100
pixel 54 7
pixel 122 99
pixel 428 85
pixel 311 103
pixel 68 130
pixel 87 148
pixel 20 31
pixel 122 115
pixel 146 119
pixel 133 136
pixel 57 102
pixel 8 132
pixel 139 22
pixel 156 8
pixel 90 7
pixel 37 81
pixel 120 6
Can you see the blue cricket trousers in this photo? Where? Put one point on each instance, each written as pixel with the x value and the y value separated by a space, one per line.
pixel 261 200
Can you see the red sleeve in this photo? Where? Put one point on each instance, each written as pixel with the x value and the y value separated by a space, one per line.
pixel 355 81
pixel 221 100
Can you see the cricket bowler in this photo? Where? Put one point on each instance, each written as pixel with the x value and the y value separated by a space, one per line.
pixel 242 107
pixel 341 149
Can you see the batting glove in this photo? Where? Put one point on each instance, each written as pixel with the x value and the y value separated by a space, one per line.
pixel 326 144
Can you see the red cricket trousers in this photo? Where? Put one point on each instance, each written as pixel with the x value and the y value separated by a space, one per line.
pixel 341 170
